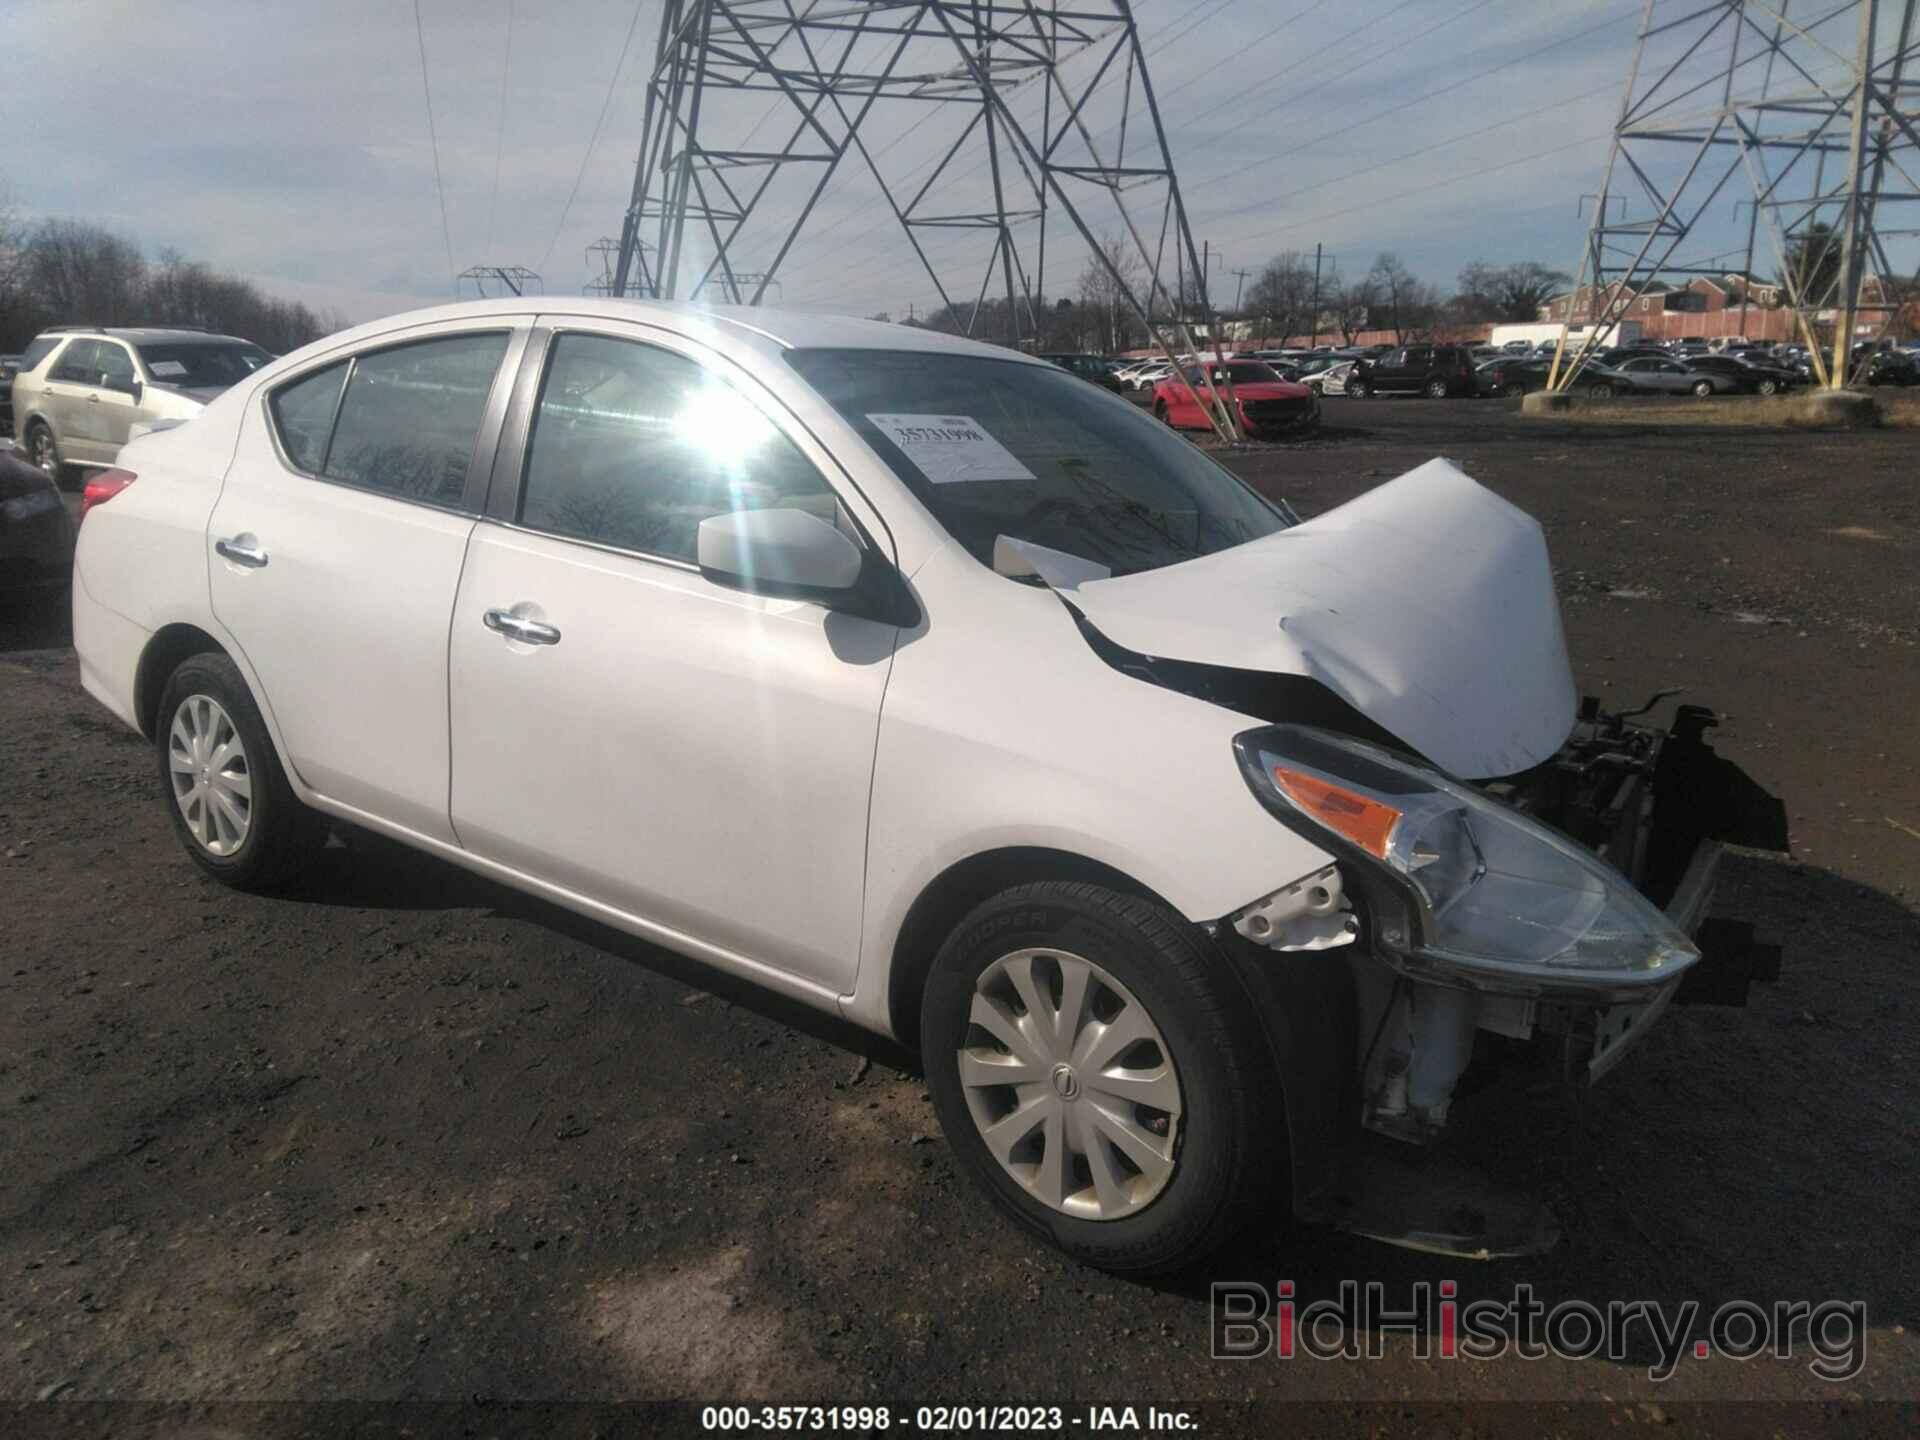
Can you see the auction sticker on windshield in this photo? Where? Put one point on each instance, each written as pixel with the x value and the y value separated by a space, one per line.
pixel 950 448
pixel 167 368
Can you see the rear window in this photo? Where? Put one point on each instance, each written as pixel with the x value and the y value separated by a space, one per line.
pixel 38 350
pixel 201 364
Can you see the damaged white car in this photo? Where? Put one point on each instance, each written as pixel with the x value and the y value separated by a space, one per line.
pixel 1199 850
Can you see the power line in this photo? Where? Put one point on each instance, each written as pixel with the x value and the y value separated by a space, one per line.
pixel 612 81
pixel 500 138
pixel 440 190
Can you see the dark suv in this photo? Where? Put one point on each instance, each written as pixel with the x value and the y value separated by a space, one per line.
pixel 1096 368
pixel 1435 371
pixel 1756 376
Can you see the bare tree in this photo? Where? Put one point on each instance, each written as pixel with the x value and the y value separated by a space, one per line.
pixel 1406 303
pixel 1512 292
pixel 1282 296
pixel 1104 297
pixel 1352 307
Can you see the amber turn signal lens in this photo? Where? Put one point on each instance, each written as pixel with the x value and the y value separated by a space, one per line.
pixel 1361 819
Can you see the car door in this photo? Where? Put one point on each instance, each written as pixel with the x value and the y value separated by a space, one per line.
pixel 1396 370
pixel 116 403
pixel 72 400
pixel 335 552
pixel 696 758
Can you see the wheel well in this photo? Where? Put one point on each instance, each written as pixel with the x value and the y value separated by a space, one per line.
pixel 957 890
pixel 170 645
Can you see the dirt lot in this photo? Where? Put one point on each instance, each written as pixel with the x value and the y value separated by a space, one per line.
pixel 406 1135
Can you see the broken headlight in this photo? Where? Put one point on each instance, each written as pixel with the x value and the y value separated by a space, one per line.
pixel 1459 885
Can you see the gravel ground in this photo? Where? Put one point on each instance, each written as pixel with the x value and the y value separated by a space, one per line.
pixel 405 1135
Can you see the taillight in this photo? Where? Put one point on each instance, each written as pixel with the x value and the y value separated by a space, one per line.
pixel 102 487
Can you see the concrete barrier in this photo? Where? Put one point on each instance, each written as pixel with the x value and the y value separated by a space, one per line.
pixel 1848 409
pixel 1545 402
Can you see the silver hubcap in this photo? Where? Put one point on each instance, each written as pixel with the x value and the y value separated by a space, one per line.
pixel 212 782
pixel 43 450
pixel 1071 1085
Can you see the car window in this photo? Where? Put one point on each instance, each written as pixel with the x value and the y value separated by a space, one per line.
pixel 37 350
pixel 116 366
pixel 202 363
pixel 998 447
pixel 633 446
pixel 303 416
pixel 77 363
pixel 411 414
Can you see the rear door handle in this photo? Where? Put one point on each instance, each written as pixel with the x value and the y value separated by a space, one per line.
pixel 518 627
pixel 250 556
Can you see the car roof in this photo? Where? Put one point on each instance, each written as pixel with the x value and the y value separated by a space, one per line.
pixel 144 332
pixel 763 328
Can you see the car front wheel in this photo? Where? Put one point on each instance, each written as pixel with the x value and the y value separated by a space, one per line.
pixel 1601 391
pixel 1095 1069
pixel 1436 389
pixel 1768 387
pixel 1160 412
pixel 1357 389
pixel 225 792
pixel 1703 388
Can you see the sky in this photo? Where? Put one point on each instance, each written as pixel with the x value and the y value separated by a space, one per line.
pixel 296 143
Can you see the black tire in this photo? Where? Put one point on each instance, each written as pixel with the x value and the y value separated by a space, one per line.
pixel 1436 389
pixel 1160 413
pixel 43 450
pixel 1767 387
pixel 1601 391
pixel 1357 389
pixel 281 832
pixel 1514 392
pixel 1229 1148
pixel 1703 389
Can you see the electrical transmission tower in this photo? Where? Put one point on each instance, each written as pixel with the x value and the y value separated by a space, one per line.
pixel 1807 113
pixel 492 281
pixel 1029 112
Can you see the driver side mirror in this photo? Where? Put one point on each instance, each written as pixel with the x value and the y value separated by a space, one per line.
pixel 791 554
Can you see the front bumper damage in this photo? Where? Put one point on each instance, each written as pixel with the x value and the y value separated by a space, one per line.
pixel 1661 806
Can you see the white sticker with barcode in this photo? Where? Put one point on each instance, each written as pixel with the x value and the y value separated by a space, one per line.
pixel 166 368
pixel 951 448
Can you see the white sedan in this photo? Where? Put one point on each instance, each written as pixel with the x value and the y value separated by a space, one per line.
pixel 920 682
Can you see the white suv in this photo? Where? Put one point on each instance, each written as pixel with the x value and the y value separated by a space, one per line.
pixel 931 686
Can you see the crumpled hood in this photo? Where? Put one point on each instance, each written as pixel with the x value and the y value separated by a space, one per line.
pixel 1427 604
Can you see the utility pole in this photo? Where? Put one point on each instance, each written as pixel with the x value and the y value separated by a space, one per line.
pixel 1316 296
pixel 1239 282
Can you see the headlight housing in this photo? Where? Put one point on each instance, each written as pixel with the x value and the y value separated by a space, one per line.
pixel 1460 886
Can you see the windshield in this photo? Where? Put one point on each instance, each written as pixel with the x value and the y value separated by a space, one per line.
pixel 1240 372
pixel 997 447
pixel 193 364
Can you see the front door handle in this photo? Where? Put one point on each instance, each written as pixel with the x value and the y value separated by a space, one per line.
pixel 93 399
pixel 518 627
pixel 249 555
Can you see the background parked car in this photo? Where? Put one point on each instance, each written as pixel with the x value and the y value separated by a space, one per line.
pixel 80 391
pixel 1268 404
pixel 1521 376
pixel 1890 367
pixel 1330 379
pixel 1095 368
pixel 9 367
pixel 1435 371
pixel 1671 377
pixel 1749 376
pixel 36 535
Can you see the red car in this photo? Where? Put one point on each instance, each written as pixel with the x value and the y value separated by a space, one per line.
pixel 1265 404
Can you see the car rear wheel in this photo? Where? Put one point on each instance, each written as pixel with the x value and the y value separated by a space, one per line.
pixel 226 794
pixel 1514 392
pixel 1703 388
pixel 1436 389
pixel 43 450
pixel 1095 1068
pixel 1768 387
